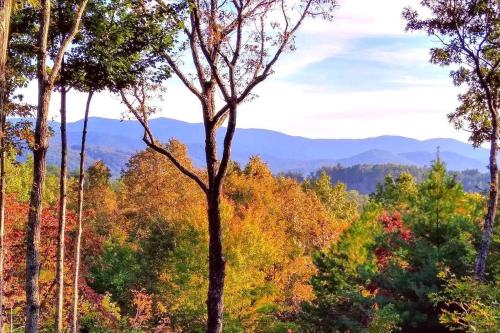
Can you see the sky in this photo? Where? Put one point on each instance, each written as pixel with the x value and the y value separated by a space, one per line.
pixel 359 76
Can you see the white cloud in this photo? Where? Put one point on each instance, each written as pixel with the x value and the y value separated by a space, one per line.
pixel 319 40
pixel 355 18
pixel 318 110
pixel 323 113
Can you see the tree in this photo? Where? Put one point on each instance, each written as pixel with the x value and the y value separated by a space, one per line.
pixel 233 47
pixel 469 34
pixel 5 11
pixel 380 275
pixel 338 201
pixel 46 81
pixel 62 14
pixel 107 56
pixel 439 195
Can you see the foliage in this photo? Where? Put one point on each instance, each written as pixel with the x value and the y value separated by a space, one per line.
pixel 272 226
pixel 385 266
pixel 468 33
pixel 468 305
pixel 365 178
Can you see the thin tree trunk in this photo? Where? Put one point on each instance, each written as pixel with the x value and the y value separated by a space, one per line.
pixel 3 120
pixel 35 212
pixel 62 213
pixel 39 175
pixel 80 216
pixel 5 11
pixel 492 203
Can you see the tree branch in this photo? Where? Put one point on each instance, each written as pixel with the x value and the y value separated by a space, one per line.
pixel 66 42
pixel 150 141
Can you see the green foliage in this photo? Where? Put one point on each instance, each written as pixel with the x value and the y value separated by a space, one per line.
pixel 339 203
pixel 380 274
pixel 20 175
pixel 365 178
pixel 115 270
pixel 396 193
pixel 469 306
pixel 385 320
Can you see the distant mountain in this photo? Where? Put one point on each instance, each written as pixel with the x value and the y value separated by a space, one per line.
pixel 114 141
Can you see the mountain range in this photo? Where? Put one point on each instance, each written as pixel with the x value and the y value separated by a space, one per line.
pixel 114 141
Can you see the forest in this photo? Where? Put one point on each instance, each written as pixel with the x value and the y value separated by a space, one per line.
pixel 364 178
pixel 171 246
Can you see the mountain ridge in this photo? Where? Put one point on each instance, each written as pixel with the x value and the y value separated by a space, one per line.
pixel 115 141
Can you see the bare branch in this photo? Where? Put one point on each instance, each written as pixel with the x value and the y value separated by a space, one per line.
pixel 151 142
pixel 182 77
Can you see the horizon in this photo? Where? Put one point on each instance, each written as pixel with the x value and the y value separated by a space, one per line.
pixel 265 129
pixel 359 76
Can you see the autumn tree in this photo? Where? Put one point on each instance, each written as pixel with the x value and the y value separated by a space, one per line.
pixel 233 47
pixel 157 241
pixel 46 81
pixel 469 37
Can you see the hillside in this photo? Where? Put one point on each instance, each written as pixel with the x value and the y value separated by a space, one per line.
pixel 364 178
pixel 114 141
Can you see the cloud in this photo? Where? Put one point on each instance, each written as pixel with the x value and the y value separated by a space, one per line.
pixel 313 92
pixel 354 19
pixel 359 18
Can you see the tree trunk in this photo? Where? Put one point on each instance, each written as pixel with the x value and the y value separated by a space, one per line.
pixel 80 215
pixel 62 213
pixel 492 204
pixel 216 260
pixel 5 11
pixel 3 119
pixel 35 211
pixel 39 175
pixel 216 266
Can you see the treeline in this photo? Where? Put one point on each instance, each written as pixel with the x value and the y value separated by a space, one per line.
pixel 364 178
pixel 302 256
pixel 145 244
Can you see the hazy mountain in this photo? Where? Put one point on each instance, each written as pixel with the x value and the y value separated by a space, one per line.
pixel 114 141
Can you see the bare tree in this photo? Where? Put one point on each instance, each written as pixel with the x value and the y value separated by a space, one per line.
pixel 233 46
pixel 469 35
pixel 46 81
pixel 63 176
pixel 78 245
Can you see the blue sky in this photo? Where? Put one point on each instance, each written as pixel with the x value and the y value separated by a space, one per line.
pixel 373 63
pixel 359 76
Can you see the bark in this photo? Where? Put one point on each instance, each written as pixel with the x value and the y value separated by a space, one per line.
pixel 35 212
pixel 216 174
pixel 81 180
pixel 62 213
pixel 489 220
pixel 217 265
pixel 5 11
pixel 39 174
pixel 45 85
pixel 216 260
pixel 2 214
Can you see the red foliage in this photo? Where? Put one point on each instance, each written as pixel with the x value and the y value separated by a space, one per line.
pixel 15 253
pixel 393 223
pixel 396 230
